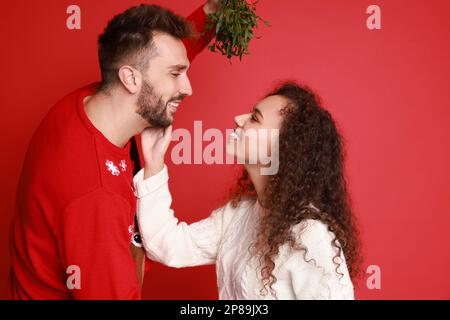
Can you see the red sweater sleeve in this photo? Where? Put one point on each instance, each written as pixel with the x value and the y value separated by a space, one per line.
pixel 95 240
pixel 201 38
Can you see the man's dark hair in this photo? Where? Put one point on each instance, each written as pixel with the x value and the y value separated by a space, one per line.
pixel 128 38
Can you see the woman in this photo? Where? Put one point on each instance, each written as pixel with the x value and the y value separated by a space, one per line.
pixel 287 235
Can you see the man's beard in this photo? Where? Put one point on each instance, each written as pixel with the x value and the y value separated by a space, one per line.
pixel 152 108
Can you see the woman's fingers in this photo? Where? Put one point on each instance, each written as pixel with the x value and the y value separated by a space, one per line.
pixel 167 135
pixel 150 136
pixel 155 142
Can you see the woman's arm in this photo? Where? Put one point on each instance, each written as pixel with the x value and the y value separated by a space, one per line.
pixel 165 239
pixel 312 269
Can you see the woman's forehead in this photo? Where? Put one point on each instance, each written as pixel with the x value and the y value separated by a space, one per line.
pixel 272 104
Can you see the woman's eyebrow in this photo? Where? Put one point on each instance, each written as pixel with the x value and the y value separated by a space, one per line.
pixel 256 110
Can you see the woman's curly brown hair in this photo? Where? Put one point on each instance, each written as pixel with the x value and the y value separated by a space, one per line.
pixel 311 171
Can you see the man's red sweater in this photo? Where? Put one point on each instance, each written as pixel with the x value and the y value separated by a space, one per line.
pixel 74 219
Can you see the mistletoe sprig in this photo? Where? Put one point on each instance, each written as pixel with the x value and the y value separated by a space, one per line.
pixel 234 24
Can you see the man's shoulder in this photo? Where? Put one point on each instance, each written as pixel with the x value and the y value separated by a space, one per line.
pixel 63 119
pixel 62 154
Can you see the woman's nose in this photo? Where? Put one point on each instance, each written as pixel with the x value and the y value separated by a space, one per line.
pixel 240 119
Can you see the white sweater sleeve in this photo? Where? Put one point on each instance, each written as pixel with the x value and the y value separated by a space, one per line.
pixel 313 272
pixel 175 244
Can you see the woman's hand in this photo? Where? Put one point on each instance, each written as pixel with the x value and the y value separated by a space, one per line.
pixel 155 142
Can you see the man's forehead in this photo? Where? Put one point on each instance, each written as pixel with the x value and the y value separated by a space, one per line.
pixel 170 51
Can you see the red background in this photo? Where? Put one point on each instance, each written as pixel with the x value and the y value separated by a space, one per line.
pixel 388 90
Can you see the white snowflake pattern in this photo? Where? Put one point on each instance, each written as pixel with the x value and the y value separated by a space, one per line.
pixel 123 165
pixel 112 168
pixel 131 229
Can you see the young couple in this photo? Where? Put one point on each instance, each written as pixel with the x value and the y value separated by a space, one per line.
pixel 289 235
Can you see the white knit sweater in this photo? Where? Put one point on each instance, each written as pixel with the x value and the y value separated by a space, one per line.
pixel 224 239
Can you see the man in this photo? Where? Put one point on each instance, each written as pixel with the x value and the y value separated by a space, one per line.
pixel 74 221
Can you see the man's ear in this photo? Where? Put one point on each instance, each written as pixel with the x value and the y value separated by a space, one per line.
pixel 130 78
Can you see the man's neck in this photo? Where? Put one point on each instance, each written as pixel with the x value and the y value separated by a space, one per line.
pixel 113 117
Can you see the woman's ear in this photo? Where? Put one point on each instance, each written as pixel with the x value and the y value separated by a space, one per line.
pixel 130 78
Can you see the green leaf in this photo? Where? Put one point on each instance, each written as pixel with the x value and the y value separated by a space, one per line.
pixel 234 24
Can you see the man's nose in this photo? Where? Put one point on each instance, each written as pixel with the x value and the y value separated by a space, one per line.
pixel 240 119
pixel 186 88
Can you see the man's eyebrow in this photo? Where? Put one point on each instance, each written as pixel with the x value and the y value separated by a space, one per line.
pixel 255 109
pixel 179 67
